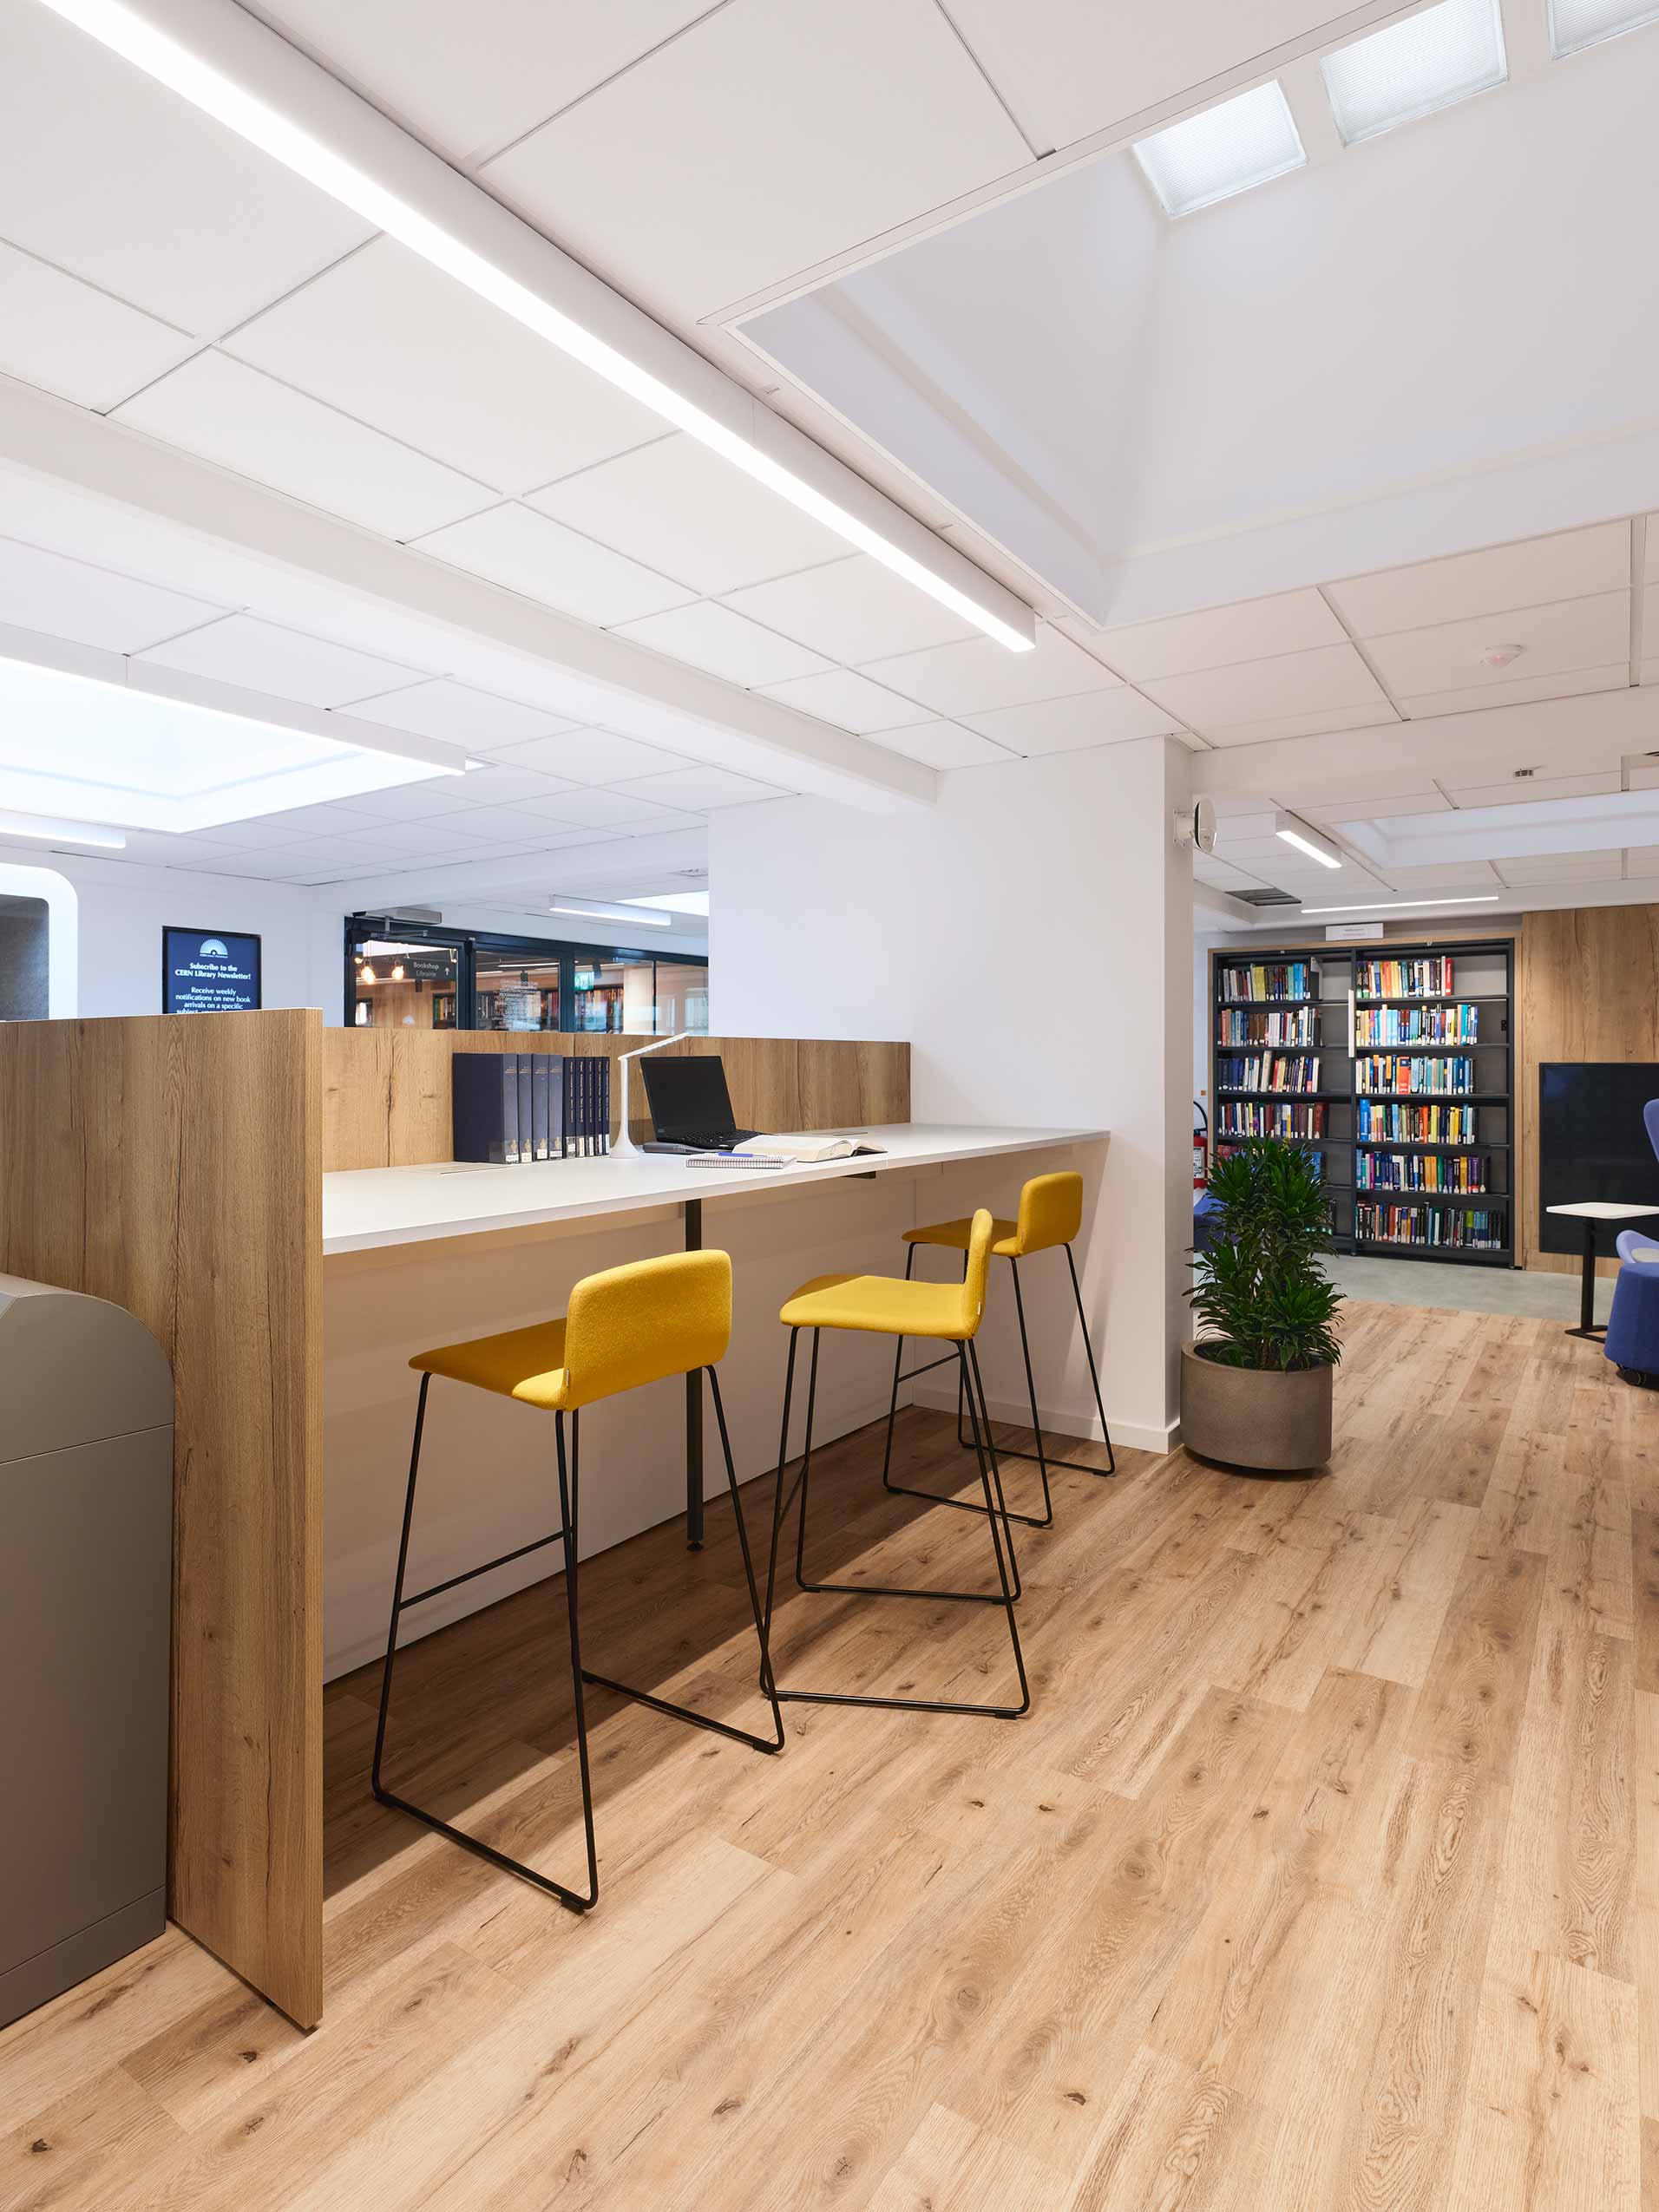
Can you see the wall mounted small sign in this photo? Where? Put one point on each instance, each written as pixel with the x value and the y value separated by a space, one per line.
pixel 209 970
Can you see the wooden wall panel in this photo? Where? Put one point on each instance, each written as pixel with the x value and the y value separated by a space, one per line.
pixel 173 1164
pixel 1588 989
pixel 386 1092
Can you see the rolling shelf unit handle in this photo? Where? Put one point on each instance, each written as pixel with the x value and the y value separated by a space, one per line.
pixel 1350 1013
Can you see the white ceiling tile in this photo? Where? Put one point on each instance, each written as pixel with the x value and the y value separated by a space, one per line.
pixel 979 676
pixel 846 698
pixel 528 552
pixel 1218 637
pixel 726 643
pixel 1650 558
pixel 1537 570
pixel 72 339
pixel 94 607
pixel 394 341
pixel 1327 678
pixel 1324 721
pixel 1532 789
pixel 262 657
pixel 110 176
pixel 852 609
pixel 1560 867
pixel 945 745
pixel 1069 67
pixel 508 824
pixel 1650 617
pixel 468 80
pixel 439 837
pixel 1442 875
pixel 1567 634
pixel 513 786
pixel 760 141
pixel 618 810
pixel 1367 806
pixel 1222 875
pixel 592 757
pixel 680 507
pixel 1067 725
pixel 1640 860
pixel 1649 671
pixel 409 802
pixel 231 414
pixel 445 709
pixel 1568 683
pixel 696 788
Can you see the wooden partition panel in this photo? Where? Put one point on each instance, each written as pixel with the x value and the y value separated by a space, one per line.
pixel 1588 989
pixel 386 1092
pixel 173 1164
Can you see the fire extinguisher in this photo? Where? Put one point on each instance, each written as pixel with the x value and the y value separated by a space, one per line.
pixel 1200 1147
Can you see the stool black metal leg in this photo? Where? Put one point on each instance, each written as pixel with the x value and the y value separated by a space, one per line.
pixel 1042 1455
pixel 1005 1595
pixel 569 1505
pixel 872 1589
pixel 401 1605
pixel 806 1461
pixel 685 1713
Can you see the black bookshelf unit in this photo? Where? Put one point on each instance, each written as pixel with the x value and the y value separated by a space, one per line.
pixel 1398 1163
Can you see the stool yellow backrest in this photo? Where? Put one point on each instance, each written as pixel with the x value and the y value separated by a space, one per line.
pixel 976 1272
pixel 1050 1212
pixel 639 1323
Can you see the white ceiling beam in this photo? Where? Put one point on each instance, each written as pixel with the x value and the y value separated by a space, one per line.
pixel 50 441
pixel 243 73
pixel 1482 746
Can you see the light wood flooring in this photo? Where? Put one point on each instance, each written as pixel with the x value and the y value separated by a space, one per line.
pixel 1324 1873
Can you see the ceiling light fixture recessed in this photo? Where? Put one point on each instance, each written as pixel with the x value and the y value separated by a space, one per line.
pixel 1224 150
pixel 1501 656
pixel 129 31
pixel 51 831
pixel 1431 61
pixel 1395 906
pixel 1575 24
pixel 590 910
pixel 1296 832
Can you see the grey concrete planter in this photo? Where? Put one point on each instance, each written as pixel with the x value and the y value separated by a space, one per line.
pixel 1249 1416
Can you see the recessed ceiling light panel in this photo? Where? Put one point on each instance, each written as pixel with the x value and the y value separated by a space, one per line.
pixel 1575 24
pixel 1429 60
pixel 1225 150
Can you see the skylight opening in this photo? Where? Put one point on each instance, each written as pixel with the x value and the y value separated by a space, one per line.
pixel 1229 149
pixel 1575 24
pixel 1415 67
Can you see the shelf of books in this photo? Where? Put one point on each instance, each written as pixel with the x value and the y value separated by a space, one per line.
pixel 1396 1069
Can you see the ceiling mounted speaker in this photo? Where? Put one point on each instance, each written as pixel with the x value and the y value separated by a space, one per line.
pixel 1194 827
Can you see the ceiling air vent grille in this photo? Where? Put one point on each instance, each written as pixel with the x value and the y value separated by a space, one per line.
pixel 1267 898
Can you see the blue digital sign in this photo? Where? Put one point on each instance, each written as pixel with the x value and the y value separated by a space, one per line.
pixel 209 972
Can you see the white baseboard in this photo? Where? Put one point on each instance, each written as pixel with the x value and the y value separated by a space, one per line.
pixel 1134 1435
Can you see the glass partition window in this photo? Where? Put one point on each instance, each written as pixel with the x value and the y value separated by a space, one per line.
pixel 396 985
pixel 515 987
pixel 682 997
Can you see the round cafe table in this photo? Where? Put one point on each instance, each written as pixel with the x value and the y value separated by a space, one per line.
pixel 1590 1210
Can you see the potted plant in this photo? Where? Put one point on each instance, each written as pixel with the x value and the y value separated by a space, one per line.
pixel 1256 1386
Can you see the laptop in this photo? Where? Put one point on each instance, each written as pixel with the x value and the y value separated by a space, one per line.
pixel 691 1106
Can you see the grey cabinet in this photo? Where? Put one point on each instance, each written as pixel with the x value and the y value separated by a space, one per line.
pixel 86 1535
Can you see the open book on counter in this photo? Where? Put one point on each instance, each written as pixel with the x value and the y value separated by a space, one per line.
pixel 796 1146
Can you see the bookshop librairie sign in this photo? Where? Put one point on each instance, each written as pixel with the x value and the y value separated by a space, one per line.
pixel 209 972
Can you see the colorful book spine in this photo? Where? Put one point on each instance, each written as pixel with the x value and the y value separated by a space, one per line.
pixel 1294 1027
pixel 1377 1121
pixel 1448 1228
pixel 1410 1074
pixel 1256 982
pixel 1428 977
pixel 1448 1024
pixel 1267 1072
pixel 1241 1117
pixel 1421 1171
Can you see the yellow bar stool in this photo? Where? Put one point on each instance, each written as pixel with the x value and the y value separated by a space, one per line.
pixel 626 1327
pixel 885 1305
pixel 1051 1214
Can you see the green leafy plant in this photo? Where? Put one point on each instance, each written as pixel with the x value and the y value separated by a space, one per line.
pixel 1259 1291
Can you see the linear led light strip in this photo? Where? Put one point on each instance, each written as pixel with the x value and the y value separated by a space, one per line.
pixel 1393 905
pixel 127 33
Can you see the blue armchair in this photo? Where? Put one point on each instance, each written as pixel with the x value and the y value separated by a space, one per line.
pixel 1632 1338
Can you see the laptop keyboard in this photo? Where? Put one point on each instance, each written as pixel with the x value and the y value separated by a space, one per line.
pixel 715 1141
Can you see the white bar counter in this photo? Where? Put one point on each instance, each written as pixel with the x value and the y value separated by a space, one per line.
pixel 367 1208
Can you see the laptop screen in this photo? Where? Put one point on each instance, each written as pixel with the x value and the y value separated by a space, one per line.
pixel 687 1097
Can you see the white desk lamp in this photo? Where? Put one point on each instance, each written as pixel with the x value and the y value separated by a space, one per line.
pixel 625 1148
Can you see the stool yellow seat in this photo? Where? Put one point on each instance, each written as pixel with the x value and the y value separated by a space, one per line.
pixel 891 1306
pixel 626 1327
pixel 1049 1217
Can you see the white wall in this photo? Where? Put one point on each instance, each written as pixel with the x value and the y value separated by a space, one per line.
pixel 1031 936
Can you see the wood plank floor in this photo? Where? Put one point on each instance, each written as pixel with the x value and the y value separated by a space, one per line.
pixel 1324 1873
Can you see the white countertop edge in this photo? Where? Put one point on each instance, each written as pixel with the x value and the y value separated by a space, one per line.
pixel 668 1183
